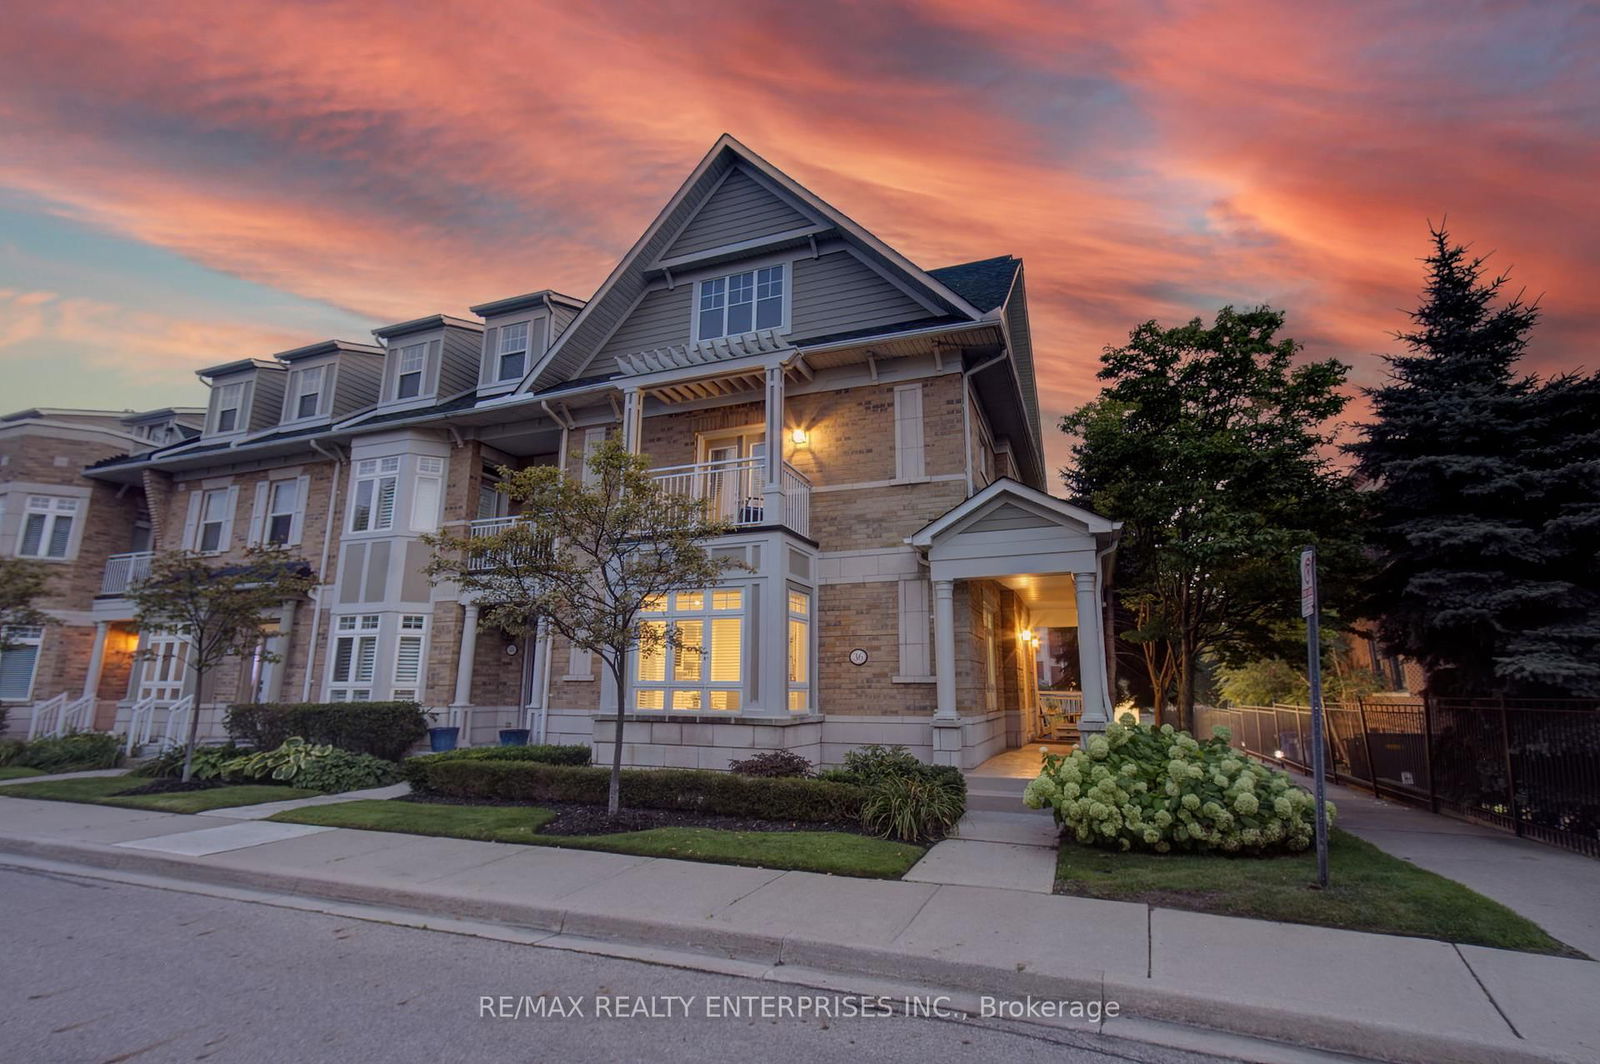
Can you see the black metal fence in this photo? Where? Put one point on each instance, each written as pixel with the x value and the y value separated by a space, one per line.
pixel 1529 767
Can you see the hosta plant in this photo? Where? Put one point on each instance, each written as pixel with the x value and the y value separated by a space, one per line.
pixel 1141 787
pixel 282 764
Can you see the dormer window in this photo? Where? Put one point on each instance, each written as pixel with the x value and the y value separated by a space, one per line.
pixel 408 379
pixel 740 303
pixel 229 406
pixel 306 388
pixel 512 359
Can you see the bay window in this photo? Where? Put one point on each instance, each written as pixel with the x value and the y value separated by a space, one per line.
pixel 18 661
pixel 740 303
pixel 47 527
pixel 373 500
pixel 355 658
pixel 705 673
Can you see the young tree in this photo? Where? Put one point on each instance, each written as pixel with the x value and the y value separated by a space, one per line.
pixel 589 560
pixel 221 608
pixel 21 585
pixel 1212 447
pixel 1486 522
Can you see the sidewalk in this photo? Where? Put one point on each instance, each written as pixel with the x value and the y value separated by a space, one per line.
pixel 1557 890
pixel 1375 996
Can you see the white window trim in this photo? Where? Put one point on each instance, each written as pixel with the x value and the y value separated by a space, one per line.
pixel 809 686
pixel 705 686
pixel 724 274
pixel 292 393
pixel 264 510
pixel 24 637
pixel 195 522
pixel 427 386
pixel 374 471
pixel 500 351
pixel 76 515
pixel 214 413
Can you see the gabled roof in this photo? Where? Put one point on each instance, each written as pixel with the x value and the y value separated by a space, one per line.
pixel 327 347
pixel 627 281
pixel 431 321
pixel 984 283
pixel 1005 489
pixel 242 365
pixel 543 297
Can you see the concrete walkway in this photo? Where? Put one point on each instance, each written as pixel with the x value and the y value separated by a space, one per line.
pixel 90 774
pixel 1014 851
pixel 1558 890
pixel 1376 996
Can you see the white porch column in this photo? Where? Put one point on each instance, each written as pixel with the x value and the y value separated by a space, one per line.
pixel 632 420
pixel 944 648
pixel 539 686
pixel 97 659
pixel 772 486
pixel 464 662
pixel 1092 653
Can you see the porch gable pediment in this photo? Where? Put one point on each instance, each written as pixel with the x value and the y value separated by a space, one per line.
pixel 1010 528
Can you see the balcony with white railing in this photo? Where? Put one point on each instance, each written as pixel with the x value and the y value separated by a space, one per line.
pixel 484 528
pixel 125 570
pixel 735 492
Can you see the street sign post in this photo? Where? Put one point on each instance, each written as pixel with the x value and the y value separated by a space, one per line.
pixel 1310 610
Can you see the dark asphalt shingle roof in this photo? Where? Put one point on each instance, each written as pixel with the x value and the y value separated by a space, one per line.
pixel 984 283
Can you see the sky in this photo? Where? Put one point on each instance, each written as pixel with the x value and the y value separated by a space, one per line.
pixel 184 182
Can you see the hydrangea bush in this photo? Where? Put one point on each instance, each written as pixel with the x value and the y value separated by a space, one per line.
pixel 1137 786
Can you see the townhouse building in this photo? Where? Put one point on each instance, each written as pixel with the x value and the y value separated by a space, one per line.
pixel 870 430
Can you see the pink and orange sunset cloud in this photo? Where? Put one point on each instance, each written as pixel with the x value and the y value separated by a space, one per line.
pixel 183 182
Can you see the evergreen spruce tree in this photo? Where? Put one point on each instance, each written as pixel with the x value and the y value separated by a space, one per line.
pixel 1479 508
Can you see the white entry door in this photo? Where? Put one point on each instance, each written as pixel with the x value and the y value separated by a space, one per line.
pixel 164 669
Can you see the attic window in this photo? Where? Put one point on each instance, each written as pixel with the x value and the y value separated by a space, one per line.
pixel 307 391
pixel 740 303
pixel 229 400
pixel 513 354
pixel 408 378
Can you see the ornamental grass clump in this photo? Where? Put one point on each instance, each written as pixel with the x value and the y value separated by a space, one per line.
pixel 1140 787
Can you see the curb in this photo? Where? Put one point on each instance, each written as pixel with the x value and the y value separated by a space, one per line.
pixel 1373 1041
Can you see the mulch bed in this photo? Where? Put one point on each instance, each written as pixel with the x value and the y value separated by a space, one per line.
pixel 171 786
pixel 575 818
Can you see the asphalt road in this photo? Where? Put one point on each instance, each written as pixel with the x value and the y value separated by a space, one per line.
pixel 94 972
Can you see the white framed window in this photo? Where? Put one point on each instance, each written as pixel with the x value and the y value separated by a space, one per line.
pixel 408 657
pixel 705 674
pixel 306 389
pixel 511 356
pixel 373 500
pixel 799 650
pixel 410 363
pixel 18 662
pixel 425 494
pixel 741 302
pixel 592 439
pixel 355 657
pixel 216 521
pixel 227 410
pixel 283 510
pixel 47 524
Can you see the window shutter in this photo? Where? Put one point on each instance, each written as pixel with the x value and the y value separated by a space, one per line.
pixel 915 619
pixel 491 356
pixel 408 660
pixel 366 659
pixel 384 515
pixel 258 516
pixel 908 443
pixel 425 505
pixel 580 663
pixel 302 489
pixel 228 513
pixel 191 523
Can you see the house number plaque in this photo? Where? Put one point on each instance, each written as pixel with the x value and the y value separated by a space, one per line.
pixel 858 656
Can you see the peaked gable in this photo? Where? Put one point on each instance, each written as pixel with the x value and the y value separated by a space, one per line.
pixel 768 198
pixel 741 208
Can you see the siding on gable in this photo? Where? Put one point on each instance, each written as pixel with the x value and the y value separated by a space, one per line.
pixel 660 319
pixel 1008 518
pixel 458 369
pixel 741 209
pixel 837 292
pixel 266 407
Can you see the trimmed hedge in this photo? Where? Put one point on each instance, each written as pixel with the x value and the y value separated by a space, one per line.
pixel 382 729
pixel 694 790
pixel 414 769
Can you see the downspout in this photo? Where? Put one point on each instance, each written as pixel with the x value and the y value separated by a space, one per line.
pixel 322 565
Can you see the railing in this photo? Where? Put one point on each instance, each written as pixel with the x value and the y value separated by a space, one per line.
pixel 176 733
pixel 59 715
pixel 141 720
pixel 125 570
pixel 1532 768
pixel 735 491
pixel 490 526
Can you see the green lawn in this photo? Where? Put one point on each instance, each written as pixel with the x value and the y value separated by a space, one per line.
pixel 1368 891
pixel 101 790
pixel 17 772
pixel 835 852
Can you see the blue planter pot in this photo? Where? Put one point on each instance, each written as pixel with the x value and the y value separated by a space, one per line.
pixel 442 739
pixel 514 736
